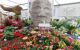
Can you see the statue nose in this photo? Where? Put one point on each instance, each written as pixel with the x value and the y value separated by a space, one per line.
pixel 42 12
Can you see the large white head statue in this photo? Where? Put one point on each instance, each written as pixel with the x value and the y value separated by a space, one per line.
pixel 41 11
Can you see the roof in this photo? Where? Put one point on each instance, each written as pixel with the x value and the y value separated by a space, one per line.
pixel 67 4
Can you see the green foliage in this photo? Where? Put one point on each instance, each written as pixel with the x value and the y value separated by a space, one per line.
pixel 47 48
pixel 64 40
pixel 76 47
pixel 26 32
pixel 33 48
pixel 69 26
pixel 9 32
pixel 27 22
pixel 78 20
pixel 63 25
pixel 57 24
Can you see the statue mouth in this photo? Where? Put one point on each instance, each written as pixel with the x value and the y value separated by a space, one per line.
pixel 41 16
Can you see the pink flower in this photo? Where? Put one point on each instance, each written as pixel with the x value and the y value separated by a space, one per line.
pixel 51 46
pixel 40 40
pixel 57 33
pixel 2 27
pixel 0 49
pixel 28 43
pixel 63 35
pixel 22 44
pixel 71 40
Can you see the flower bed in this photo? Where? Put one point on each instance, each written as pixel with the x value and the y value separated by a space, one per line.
pixel 13 38
pixel 26 40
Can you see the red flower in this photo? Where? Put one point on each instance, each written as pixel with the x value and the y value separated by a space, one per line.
pixel 15 40
pixel 17 23
pixel 1 35
pixel 17 49
pixel 2 42
pixel 22 44
pixel 18 34
pixel 2 27
pixel 6 48
pixel 10 45
pixel 15 46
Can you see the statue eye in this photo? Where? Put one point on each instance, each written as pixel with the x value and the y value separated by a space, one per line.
pixel 37 7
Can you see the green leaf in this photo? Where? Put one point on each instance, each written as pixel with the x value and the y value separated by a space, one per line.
pixel 9 32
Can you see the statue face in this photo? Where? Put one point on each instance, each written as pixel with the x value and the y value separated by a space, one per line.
pixel 41 10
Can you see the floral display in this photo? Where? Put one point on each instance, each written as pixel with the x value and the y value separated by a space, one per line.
pixel 33 40
pixel 63 36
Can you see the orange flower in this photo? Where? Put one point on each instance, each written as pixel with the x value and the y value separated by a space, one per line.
pixel 57 40
pixel 63 35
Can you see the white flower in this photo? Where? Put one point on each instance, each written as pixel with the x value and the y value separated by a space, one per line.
pixel 33 32
pixel 24 38
pixel 39 34
pixel 5 39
